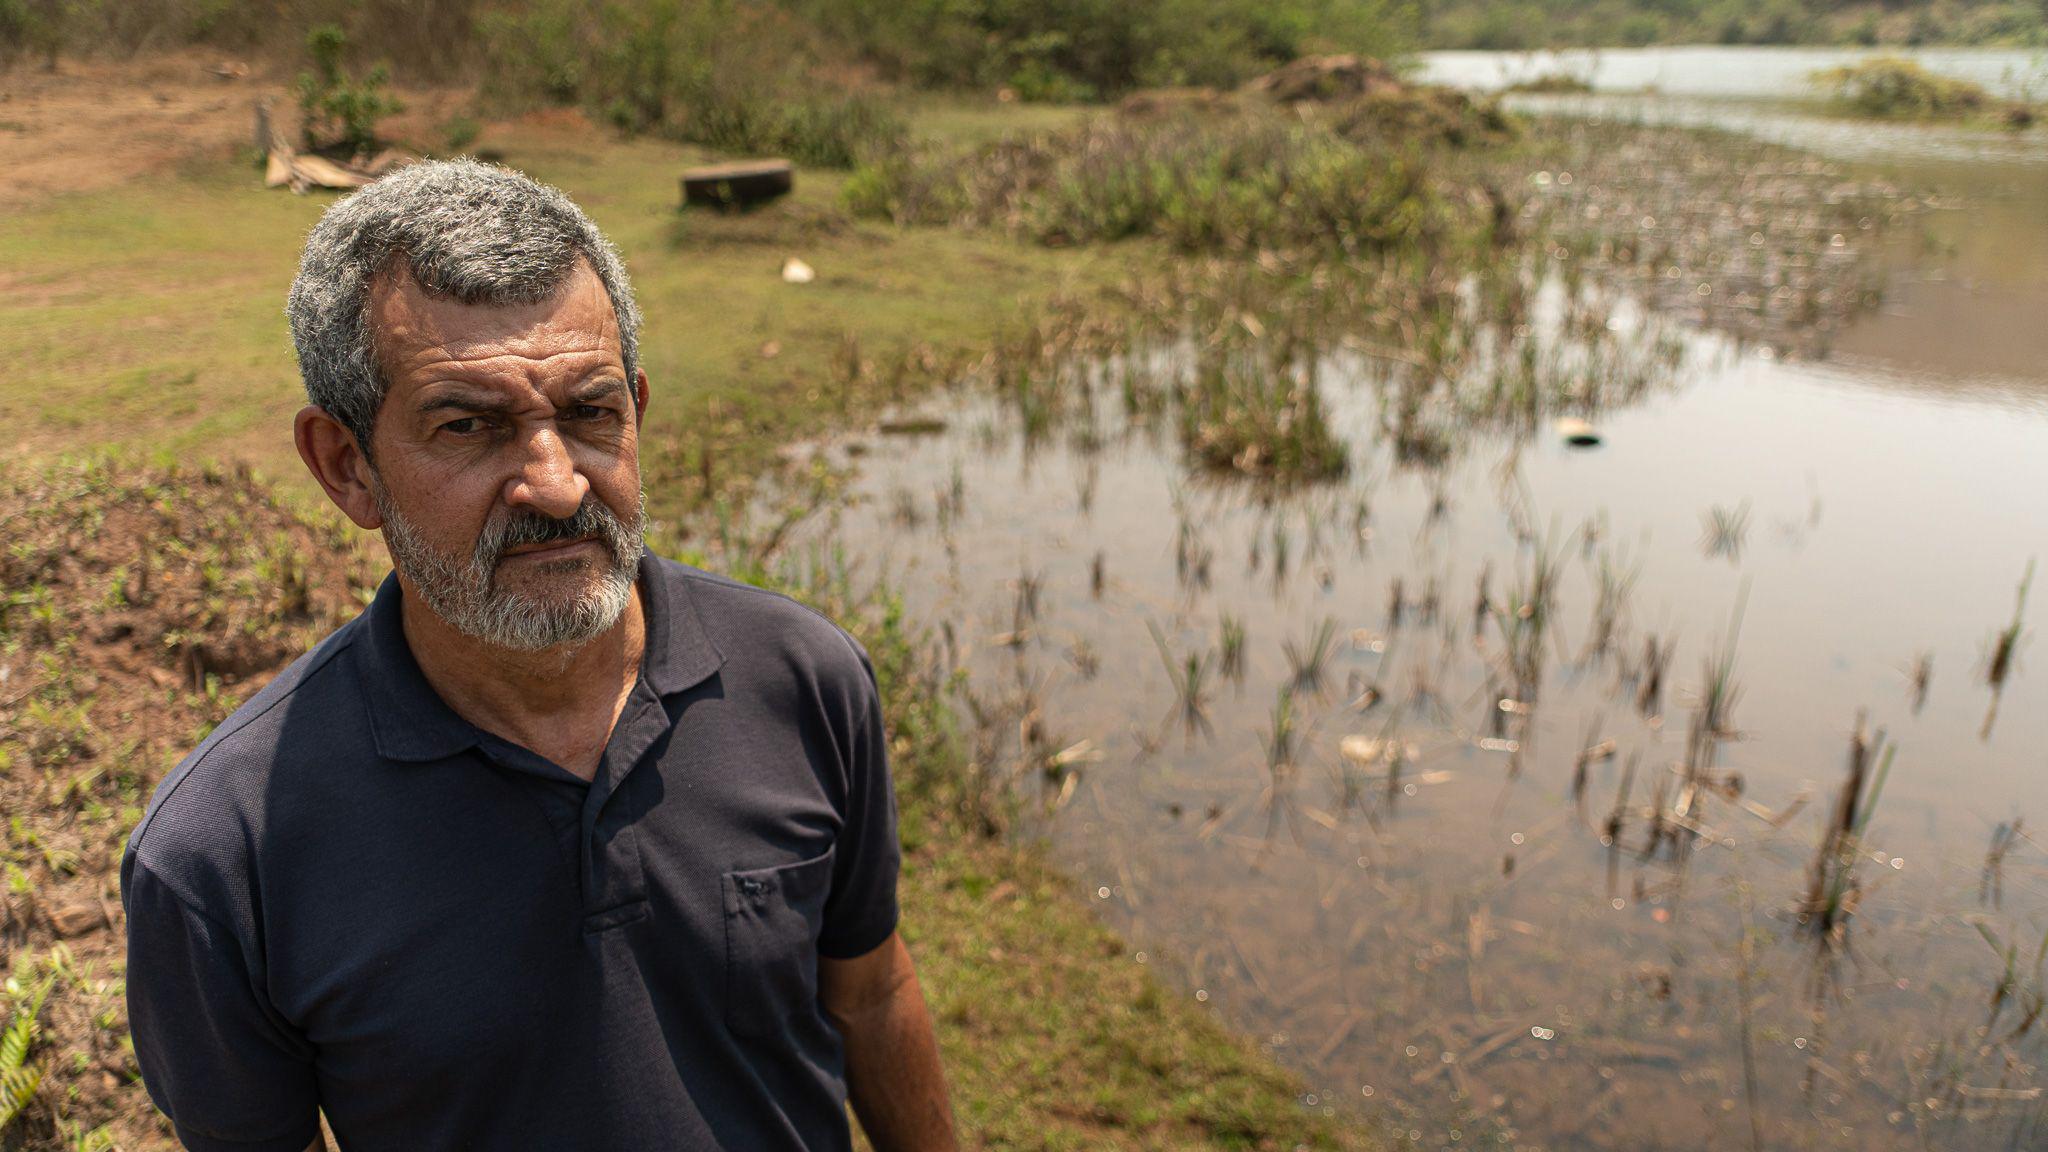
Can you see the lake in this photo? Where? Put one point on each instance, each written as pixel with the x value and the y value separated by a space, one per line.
pixel 1676 790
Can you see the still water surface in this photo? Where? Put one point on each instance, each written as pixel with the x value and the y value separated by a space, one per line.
pixel 1445 937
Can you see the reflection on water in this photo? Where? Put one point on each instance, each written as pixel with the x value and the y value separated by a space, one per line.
pixel 1798 124
pixel 1418 900
pixel 1676 791
pixel 1721 73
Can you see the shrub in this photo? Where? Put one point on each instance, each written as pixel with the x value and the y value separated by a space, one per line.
pixel 459 133
pixel 341 112
pixel 1239 180
pixel 1894 88
pixel 1063 50
pixel 31 26
pixel 732 76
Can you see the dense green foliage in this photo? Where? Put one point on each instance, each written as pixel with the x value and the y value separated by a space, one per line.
pixel 801 78
pixel 1528 24
pixel 1040 49
pixel 1088 49
pixel 731 75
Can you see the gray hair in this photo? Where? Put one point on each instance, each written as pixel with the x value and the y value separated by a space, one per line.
pixel 479 233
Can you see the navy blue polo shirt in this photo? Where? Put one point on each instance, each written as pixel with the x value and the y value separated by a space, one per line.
pixel 349 898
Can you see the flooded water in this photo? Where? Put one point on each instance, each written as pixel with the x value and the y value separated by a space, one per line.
pixel 1493 789
pixel 1724 73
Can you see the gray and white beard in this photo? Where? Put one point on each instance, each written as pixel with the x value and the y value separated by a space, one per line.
pixel 465 594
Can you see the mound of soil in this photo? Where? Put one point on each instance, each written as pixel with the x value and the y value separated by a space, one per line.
pixel 1326 79
pixel 141 605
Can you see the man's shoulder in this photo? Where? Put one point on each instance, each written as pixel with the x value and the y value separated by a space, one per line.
pixel 215 802
pixel 749 622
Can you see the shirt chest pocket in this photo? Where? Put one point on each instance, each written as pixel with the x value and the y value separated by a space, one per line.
pixel 772 920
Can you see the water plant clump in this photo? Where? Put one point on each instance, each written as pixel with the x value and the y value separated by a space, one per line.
pixel 1269 425
pixel 1833 888
pixel 1308 663
pixel 1991 886
pixel 1230 648
pixel 2005 642
pixel 1898 88
pixel 1724 531
pixel 1190 675
pixel 2005 645
pixel 1616 584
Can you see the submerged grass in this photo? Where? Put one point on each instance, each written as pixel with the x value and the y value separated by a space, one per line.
pixel 1261 422
pixel 1308 663
pixel 2005 645
pixel 2006 641
pixel 1833 888
pixel 1190 676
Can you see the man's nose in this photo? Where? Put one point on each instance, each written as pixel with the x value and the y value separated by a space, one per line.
pixel 547 480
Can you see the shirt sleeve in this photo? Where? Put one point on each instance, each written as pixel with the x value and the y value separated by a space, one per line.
pixel 231 1076
pixel 860 914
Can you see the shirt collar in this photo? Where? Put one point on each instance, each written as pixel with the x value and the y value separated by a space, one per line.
pixel 410 722
pixel 680 654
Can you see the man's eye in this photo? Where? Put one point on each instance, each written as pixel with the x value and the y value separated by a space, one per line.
pixel 589 412
pixel 464 426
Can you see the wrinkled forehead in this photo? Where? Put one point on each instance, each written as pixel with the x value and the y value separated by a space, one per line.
pixel 420 334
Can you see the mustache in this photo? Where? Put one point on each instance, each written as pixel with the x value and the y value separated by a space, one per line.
pixel 521 528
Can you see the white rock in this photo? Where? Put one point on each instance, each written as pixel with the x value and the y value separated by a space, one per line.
pixel 795 271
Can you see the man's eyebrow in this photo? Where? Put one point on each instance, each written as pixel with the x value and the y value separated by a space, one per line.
pixel 466 401
pixel 597 390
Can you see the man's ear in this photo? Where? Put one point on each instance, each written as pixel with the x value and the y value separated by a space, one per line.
pixel 338 463
pixel 639 396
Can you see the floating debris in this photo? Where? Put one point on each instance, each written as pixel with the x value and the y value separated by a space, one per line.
pixel 1578 433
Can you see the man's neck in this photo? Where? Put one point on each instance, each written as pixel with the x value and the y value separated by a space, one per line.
pixel 558 702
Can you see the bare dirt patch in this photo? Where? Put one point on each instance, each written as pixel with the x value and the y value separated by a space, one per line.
pixel 95 124
pixel 141 605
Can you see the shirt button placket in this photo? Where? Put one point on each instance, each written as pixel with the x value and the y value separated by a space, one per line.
pixel 612 874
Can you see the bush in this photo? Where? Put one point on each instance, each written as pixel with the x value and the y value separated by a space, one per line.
pixel 1641 29
pixel 1238 181
pixel 340 112
pixel 1063 50
pixel 2005 24
pixel 1894 88
pixel 31 27
pixel 731 76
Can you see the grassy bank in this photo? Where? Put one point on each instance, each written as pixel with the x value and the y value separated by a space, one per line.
pixel 145 597
pixel 133 318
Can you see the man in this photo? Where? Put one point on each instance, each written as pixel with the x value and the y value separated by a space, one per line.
pixel 557 845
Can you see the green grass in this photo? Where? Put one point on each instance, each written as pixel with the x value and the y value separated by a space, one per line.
pixel 152 317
